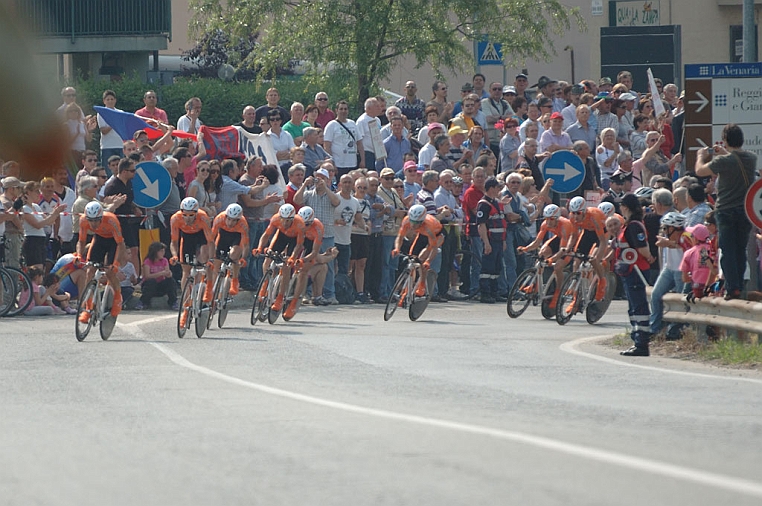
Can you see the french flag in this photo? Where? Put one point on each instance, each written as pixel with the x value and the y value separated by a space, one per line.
pixel 125 124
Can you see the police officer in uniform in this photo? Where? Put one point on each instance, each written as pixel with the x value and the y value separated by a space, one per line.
pixel 491 225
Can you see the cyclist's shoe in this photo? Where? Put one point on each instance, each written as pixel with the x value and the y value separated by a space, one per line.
pixel 420 290
pixel 116 307
pixel 529 288
pixel 573 304
pixel 403 296
pixel 278 304
pixel 291 309
pixel 600 292
pixel 263 290
pixel 553 301
pixel 84 316
pixel 208 293
pixel 234 287
pixel 184 318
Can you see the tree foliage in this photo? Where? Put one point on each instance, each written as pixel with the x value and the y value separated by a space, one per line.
pixel 368 37
pixel 214 49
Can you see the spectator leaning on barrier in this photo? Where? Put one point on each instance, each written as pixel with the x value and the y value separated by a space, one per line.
pixel 735 169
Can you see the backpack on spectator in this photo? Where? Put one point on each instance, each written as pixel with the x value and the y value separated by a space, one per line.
pixel 345 291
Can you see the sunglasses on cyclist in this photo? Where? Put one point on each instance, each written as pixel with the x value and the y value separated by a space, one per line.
pixel 189 215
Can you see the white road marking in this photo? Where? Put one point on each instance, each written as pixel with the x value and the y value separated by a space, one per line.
pixel 645 465
pixel 571 347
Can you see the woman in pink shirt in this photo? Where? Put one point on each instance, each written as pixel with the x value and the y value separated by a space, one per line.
pixel 157 277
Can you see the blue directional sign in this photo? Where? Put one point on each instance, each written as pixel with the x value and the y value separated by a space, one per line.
pixel 566 170
pixel 489 53
pixel 151 185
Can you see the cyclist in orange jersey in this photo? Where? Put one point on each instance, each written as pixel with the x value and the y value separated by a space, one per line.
pixel 191 240
pixel 230 233
pixel 426 235
pixel 106 248
pixel 285 234
pixel 590 231
pixel 562 230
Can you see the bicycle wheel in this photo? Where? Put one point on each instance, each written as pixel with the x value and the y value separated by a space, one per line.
pixel 7 292
pixel 396 297
pixel 596 309
pixel 201 312
pixel 272 316
pixel 23 291
pixel 186 308
pixel 260 301
pixel 107 321
pixel 223 304
pixel 419 306
pixel 568 301
pixel 550 288
pixel 522 292
pixel 290 298
pixel 86 298
pixel 215 304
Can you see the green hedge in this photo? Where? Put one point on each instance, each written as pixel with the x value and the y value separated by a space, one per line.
pixel 223 101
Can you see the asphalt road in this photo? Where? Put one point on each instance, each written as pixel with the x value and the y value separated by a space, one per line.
pixel 464 407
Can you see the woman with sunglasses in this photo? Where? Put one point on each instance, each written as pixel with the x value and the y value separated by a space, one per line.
pixel 215 183
pixel 199 187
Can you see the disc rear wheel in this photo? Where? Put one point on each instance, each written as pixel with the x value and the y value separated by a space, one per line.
pixel 419 304
pixel 200 309
pixel 107 321
pixel 223 304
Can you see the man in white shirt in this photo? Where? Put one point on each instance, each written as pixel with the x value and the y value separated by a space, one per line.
pixel 189 122
pixel 281 140
pixel 343 141
pixel 372 111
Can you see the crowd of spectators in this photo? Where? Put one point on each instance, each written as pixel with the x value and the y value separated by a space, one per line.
pixel 436 152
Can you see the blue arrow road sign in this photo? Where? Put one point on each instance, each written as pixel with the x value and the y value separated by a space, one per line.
pixel 151 185
pixel 566 170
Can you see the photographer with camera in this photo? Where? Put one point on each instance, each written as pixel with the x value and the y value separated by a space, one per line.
pixel 735 169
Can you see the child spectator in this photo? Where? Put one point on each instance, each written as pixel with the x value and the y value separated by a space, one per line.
pixel 128 278
pixel 42 301
pixel 157 278
pixel 697 264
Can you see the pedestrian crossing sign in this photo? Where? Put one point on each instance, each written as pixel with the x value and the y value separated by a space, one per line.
pixel 489 53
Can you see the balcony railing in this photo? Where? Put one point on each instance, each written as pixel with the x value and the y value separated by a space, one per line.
pixel 76 18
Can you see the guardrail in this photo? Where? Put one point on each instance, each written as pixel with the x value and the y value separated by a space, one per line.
pixel 733 315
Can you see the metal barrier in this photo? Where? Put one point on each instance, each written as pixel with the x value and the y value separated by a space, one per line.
pixel 734 315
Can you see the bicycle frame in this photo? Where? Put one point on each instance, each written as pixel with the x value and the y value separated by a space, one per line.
pixel 100 313
pixel 191 300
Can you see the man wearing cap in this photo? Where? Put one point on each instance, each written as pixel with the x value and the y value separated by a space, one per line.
pixel 605 85
pixel 621 183
pixel 411 106
pixel 496 110
pixel 466 118
pixel 14 228
pixel 491 225
pixel 555 138
pixel 630 101
pixel 444 198
pixel 570 111
pixel 521 82
pixel 426 154
pixel 605 118
pixel 396 146
pixel 458 155
pixel 391 226
pixel 316 193
pixel 465 91
pixel 409 178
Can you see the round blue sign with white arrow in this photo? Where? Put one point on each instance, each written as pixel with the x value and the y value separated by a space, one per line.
pixel 566 170
pixel 151 185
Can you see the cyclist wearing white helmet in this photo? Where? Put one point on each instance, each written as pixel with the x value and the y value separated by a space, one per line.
pixel 589 238
pixel 428 238
pixel 285 235
pixel 230 233
pixel 672 246
pixel 106 248
pixel 191 240
pixel 561 231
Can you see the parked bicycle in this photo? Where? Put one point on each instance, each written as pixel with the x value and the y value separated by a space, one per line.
pixel 534 286
pixel 578 293
pixel 192 307
pixel 16 287
pixel 95 300
pixel 403 294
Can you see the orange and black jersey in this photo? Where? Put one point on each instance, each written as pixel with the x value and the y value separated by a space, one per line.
pixel 200 224
pixel 314 233
pixel 430 228
pixel 594 220
pixel 108 228
pixel 241 227
pixel 563 230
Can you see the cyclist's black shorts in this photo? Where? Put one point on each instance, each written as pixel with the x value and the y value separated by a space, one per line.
pixel 554 244
pixel 283 243
pixel 190 244
pixel 225 241
pixel 586 241
pixel 309 244
pixel 102 250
